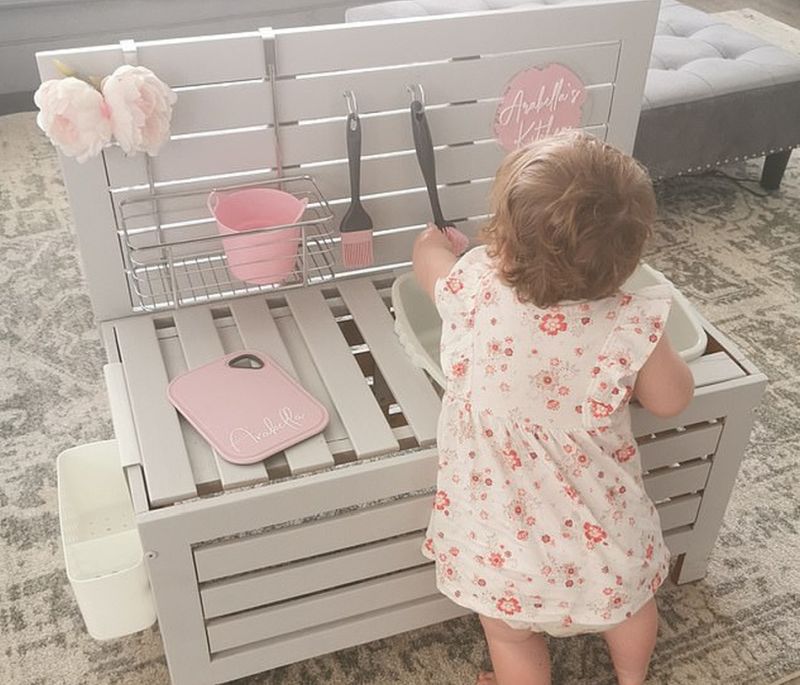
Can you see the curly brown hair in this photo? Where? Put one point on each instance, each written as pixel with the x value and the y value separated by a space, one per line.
pixel 571 215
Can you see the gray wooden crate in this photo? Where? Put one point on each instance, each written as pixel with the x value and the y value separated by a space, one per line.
pixel 321 549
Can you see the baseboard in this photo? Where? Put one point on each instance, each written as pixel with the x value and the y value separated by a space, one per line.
pixel 11 103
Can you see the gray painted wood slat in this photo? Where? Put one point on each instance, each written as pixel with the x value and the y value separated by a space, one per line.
pixel 709 402
pixel 171 570
pixel 366 425
pixel 201 345
pixel 258 331
pixel 307 373
pixel 229 596
pixel 681 511
pixel 201 456
pixel 121 417
pixel 296 542
pixel 270 622
pixel 384 43
pixel 686 478
pixel 164 457
pixel 714 368
pixel 332 636
pixel 135 479
pixel 678 540
pixel 671 448
pixel 294 499
pixel 413 391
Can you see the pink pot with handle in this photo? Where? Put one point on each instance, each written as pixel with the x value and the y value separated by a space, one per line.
pixel 265 257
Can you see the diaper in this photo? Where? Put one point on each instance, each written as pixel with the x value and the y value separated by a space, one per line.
pixel 557 628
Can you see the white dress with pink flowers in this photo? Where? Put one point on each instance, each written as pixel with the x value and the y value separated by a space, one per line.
pixel 540 516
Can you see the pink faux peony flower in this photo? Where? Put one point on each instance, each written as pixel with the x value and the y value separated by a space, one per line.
pixel 74 116
pixel 141 108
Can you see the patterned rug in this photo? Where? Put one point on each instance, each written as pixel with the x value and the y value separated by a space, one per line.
pixel 735 254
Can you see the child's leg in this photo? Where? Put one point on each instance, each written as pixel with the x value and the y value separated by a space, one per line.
pixel 631 644
pixel 519 657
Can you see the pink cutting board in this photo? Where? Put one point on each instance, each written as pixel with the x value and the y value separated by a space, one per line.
pixel 246 406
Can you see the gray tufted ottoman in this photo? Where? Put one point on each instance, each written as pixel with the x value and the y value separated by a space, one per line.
pixel 714 94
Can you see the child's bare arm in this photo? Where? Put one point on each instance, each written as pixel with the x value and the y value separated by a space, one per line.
pixel 433 258
pixel 665 385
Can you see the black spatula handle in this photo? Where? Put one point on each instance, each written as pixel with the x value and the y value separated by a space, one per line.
pixel 427 163
pixel 354 156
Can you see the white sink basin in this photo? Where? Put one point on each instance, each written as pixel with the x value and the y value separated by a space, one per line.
pixel 419 327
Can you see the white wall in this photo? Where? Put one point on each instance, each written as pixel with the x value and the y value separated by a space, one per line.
pixel 27 26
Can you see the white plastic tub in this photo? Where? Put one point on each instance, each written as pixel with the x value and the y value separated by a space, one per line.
pixel 102 550
pixel 419 327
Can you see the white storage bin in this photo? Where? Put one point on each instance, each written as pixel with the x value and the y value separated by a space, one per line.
pixel 419 326
pixel 102 550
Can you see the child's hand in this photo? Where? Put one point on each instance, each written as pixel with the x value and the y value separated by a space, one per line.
pixel 451 238
pixel 433 237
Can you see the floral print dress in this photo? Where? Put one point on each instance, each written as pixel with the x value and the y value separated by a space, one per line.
pixel 540 516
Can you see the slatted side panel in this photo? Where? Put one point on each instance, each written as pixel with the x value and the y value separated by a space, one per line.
pixel 267 586
pixel 333 636
pixel 327 607
pixel 674 447
pixel 671 482
pixel 273 548
pixel 274 585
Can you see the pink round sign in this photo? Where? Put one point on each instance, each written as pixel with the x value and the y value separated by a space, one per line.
pixel 538 102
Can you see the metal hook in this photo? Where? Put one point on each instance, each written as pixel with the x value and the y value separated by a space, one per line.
pixel 417 93
pixel 352 104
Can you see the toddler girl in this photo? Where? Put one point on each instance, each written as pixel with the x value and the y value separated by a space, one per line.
pixel 540 521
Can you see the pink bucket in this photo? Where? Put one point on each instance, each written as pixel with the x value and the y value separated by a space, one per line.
pixel 263 258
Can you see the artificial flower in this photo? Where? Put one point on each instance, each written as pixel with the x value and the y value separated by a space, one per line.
pixel 74 116
pixel 141 108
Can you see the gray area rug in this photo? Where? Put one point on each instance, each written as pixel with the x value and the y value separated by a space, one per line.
pixel 734 254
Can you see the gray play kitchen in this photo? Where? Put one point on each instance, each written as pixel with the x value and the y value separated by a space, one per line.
pixel 316 547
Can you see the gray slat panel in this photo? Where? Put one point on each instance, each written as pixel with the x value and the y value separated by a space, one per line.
pixel 678 540
pixel 201 345
pixel 714 368
pixel 320 537
pixel 414 393
pixel 229 596
pixel 258 331
pixel 671 448
pixel 366 426
pixel 332 636
pixel 164 457
pixel 372 595
pixel 709 402
pixel 678 481
pixel 681 511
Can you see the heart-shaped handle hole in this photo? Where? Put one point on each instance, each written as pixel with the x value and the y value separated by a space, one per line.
pixel 246 361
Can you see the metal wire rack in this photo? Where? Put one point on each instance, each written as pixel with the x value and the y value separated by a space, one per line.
pixel 175 255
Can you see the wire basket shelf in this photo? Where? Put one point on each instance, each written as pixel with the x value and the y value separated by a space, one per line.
pixel 176 256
